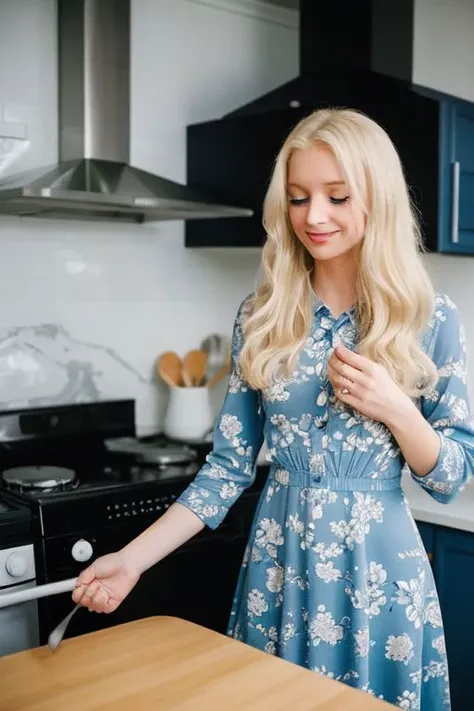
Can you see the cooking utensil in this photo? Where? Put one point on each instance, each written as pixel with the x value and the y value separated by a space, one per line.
pixel 217 348
pixel 56 636
pixel 218 375
pixel 18 596
pixel 170 369
pixel 222 371
pixel 194 368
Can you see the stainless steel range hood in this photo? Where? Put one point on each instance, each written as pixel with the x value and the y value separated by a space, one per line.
pixel 93 178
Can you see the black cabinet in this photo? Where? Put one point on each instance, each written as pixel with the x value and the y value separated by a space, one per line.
pixel 434 135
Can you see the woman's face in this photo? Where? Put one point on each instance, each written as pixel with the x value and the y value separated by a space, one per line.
pixel 321 210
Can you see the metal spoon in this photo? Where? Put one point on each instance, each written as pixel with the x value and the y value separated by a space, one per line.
pixel 56 636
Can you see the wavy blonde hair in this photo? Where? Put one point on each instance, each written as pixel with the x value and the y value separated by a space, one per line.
pixel 395 297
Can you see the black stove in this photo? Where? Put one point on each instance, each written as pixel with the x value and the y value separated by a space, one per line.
pixel 91 486
pixel 81 465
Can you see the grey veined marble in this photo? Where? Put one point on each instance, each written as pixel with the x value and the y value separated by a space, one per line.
pixel 43 365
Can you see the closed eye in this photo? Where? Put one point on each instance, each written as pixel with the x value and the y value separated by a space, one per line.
pixel 304 201
pixel 298 201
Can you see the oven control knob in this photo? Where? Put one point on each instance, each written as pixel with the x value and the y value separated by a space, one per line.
pixel 16 565
pixel 82 551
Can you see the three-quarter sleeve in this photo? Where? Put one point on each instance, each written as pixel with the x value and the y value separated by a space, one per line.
pixel 447 407
pixel 238 437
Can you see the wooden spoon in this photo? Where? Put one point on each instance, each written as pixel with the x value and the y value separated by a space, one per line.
pixel 170 369
pixel 194 367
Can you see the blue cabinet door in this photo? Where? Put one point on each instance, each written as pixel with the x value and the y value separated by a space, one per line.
pixel 427 533
pixel 457 178
pixel 454 573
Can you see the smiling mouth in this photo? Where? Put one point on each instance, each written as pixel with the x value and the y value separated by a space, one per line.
pixel 321 236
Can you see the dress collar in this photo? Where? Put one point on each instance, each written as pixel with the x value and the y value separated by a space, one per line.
pixel 319 306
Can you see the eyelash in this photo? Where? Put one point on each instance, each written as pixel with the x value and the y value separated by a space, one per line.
pixel 302 201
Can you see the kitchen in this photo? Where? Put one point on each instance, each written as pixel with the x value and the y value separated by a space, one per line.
pixel 97 276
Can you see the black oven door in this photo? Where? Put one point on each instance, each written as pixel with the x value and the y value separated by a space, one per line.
pixel 196 582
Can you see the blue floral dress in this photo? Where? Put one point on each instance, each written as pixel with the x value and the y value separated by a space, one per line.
pixel 335 577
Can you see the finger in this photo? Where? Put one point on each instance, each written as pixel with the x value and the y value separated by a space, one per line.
pixel 86 576
pixel 99 600
pixel 78 593
pixel 340 383
pixel 355 360
pixel 347 372
pixel 89 593
pixel 348 398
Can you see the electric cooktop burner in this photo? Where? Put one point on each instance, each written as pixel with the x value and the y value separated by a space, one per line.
pixel 40 478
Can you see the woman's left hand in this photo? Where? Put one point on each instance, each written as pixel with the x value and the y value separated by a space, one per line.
pixel 366 386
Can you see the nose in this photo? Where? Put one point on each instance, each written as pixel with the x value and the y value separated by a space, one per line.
pixel 317 211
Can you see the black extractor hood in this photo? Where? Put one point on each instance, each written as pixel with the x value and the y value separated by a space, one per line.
pixel 93 178
pixel 356 54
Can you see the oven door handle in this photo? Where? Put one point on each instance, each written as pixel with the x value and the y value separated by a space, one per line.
pixel 16 597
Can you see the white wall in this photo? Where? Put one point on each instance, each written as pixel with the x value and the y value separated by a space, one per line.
pixel 118 295
pixel 443 56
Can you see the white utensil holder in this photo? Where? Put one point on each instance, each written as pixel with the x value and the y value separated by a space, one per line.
pixel 189 415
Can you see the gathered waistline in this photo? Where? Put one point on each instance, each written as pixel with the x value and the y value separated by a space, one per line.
pixel 306 479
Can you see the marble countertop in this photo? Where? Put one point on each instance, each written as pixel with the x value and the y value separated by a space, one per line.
pixel 457 514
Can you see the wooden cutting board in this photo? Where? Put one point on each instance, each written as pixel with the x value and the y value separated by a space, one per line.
pixel 166 663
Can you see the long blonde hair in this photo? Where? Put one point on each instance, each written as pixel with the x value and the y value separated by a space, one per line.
pixel 395 297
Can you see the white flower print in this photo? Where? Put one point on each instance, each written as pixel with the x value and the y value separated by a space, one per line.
pixel 434 670
pixel 372 597
pixel 363 643
pixel 433 614
pixel 364 511
pixel 408 701
pixel 316 464
pixel 282 477
pixel 276 392
pixel 399 649
pixel 333 550
pixel 256 603
pixel 209 510
pixel 229 490
pixel 270 647
pixel 288 632
pixel 318 498
pixel 295 524
pixel 275 578
pixel 346 677
pixel 230 426
pixel 327 572
pixel 452 461
pixel 440 645
pixel 410 593
pixel 236 383
pixel 323 628
pixel 269 536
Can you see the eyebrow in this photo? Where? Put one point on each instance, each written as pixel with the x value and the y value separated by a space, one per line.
pixel 331 182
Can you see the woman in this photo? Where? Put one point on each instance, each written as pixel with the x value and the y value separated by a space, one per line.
pixel 349 366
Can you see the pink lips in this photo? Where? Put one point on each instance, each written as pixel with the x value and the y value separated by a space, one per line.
pixel 321 237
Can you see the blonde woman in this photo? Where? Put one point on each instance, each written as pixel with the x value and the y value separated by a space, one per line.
pixel 349 366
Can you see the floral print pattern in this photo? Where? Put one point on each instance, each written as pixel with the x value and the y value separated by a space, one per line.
pixel 335 576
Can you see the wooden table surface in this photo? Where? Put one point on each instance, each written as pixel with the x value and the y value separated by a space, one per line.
pixel 166 663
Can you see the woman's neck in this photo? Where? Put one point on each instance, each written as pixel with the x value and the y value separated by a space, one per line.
pixel 334 283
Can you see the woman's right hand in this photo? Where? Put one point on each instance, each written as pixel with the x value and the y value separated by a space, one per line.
pixel 106 583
